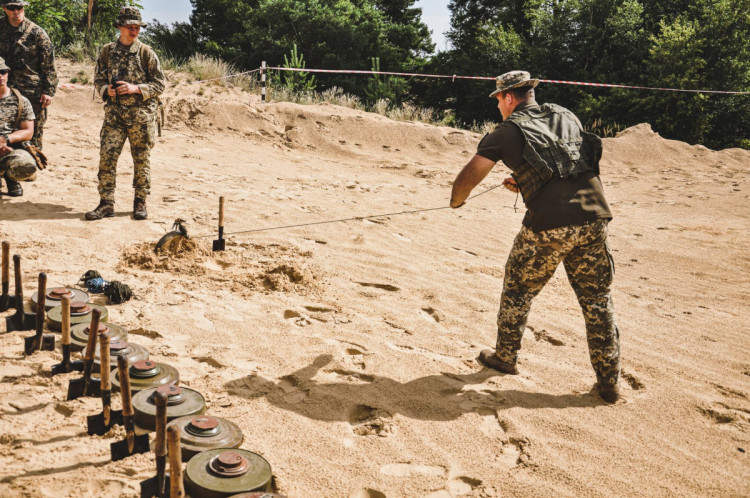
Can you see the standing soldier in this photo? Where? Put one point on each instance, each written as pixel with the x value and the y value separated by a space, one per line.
pixel 28 51
pixel 555 167
pixel 129 79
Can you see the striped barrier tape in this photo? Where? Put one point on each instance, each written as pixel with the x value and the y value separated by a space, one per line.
pixel 455 77
pixel 86 87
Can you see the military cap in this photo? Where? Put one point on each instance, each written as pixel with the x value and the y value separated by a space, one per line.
pixel 3 65
pixel 15 2
pixel 513 79
pixel 129 16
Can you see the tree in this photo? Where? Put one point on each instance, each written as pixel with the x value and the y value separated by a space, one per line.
pixel 332 34
pixel 69 21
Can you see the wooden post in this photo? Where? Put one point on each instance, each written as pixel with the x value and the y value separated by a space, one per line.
pixel 263 82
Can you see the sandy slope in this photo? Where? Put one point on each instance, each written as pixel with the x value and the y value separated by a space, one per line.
pixel 345 351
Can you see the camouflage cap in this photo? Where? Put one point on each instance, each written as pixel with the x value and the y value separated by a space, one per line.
pixel 3 65
pixel 15 2
pixel 129 16
pixel 513 79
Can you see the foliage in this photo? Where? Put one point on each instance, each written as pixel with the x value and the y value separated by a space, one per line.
pixel 296 81
pixel 65 21
pixel 179 42
pixel 685 44
pixel 333 34
pixel 388 89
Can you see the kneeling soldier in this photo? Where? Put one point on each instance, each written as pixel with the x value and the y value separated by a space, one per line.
pixel 16 127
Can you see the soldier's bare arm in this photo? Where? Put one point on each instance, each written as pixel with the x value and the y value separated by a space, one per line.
pixel 24 132
pixel 470 176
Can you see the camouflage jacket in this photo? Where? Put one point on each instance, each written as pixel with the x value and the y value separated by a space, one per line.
pixel 137 64
pixel 29 54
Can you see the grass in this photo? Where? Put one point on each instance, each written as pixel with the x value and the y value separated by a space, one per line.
pixel 81 77
pixel 598 127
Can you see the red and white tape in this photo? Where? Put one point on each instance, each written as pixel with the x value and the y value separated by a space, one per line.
pixel 76 87
pixel 455 77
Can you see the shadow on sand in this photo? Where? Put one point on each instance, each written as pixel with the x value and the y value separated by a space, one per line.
pixel 360 396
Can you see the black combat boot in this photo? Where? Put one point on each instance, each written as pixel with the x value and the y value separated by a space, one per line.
pixel 105 209
pixel 488 358
pixel 139 209
pixel 14 187
pixel 609 392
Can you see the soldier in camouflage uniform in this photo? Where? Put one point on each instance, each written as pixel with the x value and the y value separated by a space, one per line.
pixel 29 53
pixel 129 79
pixel 555 167
pixel 16 164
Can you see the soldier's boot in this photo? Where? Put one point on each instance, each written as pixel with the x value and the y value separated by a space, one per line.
pixel 488 358
pixel 609 392
pixel 139 209
pixel 14 187
pixel 105 209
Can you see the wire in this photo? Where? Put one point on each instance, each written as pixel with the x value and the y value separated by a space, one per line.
pixel 353 218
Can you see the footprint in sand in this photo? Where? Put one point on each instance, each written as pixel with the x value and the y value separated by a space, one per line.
pixel 387 287
pixel 298 319
pixel 434 314
pixel 462 485
pixel 412 470
pixel 352 377
pixel 734 409
pixel 492 425
pixel 634 383
pixel 293 393
pixel 367 493
pixel 356 357
pixel 369 421
pixel 542 335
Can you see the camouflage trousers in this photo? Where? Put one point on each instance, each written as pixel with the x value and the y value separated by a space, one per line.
pixel 19 165
pixel 41 118
pixel 584 251
pixel 138 125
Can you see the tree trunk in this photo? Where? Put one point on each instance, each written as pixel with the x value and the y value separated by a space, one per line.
pixel 88 22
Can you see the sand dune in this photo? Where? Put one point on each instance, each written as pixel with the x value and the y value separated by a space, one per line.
pixel 346 351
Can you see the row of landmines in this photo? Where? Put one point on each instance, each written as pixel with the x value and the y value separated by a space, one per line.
pixel 152 399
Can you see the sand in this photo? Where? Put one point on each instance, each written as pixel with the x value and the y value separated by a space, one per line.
pixel 346 351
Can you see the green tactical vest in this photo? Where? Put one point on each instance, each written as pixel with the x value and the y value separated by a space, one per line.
pixel 556 147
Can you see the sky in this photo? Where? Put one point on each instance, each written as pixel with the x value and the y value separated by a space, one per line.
pixel 435 15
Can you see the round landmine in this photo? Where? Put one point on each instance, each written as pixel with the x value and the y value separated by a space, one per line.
pixel 221 473
pixel 181 402
pixel 54 297
pixel 80 312
pixel 133 352
pixel 147 374
pixel 203 433
pixel 79 335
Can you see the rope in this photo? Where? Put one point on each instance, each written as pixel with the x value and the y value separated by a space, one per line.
pixel 353 218
pixel 455 77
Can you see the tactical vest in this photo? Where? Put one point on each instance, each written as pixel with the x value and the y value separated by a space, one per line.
pixel 556 147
